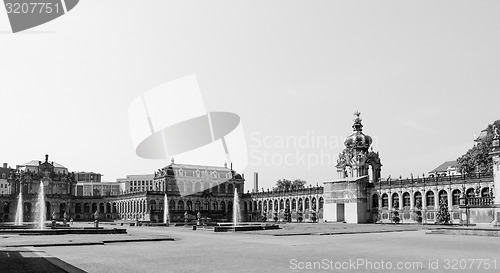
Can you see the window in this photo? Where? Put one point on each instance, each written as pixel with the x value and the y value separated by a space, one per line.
pixel 152 205
pixel 485 192
pixel 406 199
pixel 443 195
pixel 456 197
pixel 471 192
pixel 385 200
pixel 395 200
pixel 375 201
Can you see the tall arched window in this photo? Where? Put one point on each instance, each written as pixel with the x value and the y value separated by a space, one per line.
pixel 385 200
pixel 320 202
pixel 230 188
pixel 78 208
pixel 197 187
pixel 306 205
pixel 406 199
pixel 180 205
pixel 395 200
pixel 443 196
pixel 456 194
pixel 294 204
pixel 418 199
pixel 471 192
pixel 152 205
pixel 485 192
pixel 429 198
pixel 375 201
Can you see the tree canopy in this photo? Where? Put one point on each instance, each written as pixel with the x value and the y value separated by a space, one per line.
pixel 478 159
pixel 285 184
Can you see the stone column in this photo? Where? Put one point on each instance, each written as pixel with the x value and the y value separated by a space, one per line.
pixel 389 195
pixel 436 200
pixel 412 200
pixel 496 171
pixel 495 153
pixel 400 195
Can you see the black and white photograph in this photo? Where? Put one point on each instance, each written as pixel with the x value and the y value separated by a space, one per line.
pixel 249 136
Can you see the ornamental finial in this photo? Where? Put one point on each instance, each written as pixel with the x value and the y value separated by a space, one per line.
pixel 357 126
pixel 357 114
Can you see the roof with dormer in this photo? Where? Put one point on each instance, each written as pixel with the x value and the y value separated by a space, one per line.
pixel 444 167
pixel 36 163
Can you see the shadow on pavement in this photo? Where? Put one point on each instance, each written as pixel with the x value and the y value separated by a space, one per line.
pixel 14 261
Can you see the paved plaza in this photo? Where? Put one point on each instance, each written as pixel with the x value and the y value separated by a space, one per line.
pixel 151 249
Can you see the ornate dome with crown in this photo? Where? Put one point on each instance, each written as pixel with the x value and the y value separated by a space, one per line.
pixel 358 140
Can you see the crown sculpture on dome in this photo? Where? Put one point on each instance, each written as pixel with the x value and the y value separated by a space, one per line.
pixel 356 159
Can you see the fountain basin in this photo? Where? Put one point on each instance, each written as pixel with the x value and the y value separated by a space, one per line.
pixel 62 231
pixel 223 227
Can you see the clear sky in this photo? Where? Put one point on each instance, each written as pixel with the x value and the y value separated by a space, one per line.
pixel 424 75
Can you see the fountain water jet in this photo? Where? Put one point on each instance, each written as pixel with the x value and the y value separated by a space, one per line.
pixel 166 215
pixel 40 208
pixel 236 208
pixel 19 211
pixel 237 225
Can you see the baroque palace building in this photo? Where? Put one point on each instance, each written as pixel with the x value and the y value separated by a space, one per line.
pixel 360 195
pixel 190 189
pixel 357 195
